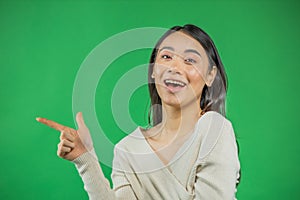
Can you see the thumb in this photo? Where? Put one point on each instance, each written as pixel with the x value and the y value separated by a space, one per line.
pixel 80 121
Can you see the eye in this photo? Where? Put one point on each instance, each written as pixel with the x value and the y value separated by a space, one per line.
pixel 166 56
pixel 190 60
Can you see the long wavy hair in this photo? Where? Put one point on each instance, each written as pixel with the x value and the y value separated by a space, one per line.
pixel 213 97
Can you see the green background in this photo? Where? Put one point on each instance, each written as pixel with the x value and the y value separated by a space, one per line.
pixel 43 43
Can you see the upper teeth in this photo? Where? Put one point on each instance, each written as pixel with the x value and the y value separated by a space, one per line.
pixel 174 82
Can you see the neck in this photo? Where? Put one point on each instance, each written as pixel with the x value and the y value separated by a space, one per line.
pixel 180 120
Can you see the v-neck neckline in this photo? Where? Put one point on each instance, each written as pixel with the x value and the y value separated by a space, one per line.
pixel 175 156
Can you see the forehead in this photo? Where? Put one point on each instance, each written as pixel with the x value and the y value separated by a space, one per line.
pixel 181 41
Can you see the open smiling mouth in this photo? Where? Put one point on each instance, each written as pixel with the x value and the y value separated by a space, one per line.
pixel 174 85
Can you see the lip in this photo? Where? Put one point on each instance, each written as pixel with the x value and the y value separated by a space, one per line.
pixel 176 80
pixel 173 89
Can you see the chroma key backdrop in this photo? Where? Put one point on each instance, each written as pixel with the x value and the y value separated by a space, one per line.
pixel 60 57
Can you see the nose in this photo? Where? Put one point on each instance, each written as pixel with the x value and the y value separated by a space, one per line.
pixel 175 65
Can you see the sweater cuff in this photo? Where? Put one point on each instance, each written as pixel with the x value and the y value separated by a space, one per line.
pixel 89 156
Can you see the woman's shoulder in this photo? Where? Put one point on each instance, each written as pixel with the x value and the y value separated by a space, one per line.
pixel 215 129
pixel 133 142
pixel 216 116
pixel 213 120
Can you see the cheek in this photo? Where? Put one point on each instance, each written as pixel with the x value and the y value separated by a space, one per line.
pixel 158 70
pixel 199 71
pixel 197 81
pixel 196 74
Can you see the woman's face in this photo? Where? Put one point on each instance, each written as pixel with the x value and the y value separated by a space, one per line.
pixel 181 70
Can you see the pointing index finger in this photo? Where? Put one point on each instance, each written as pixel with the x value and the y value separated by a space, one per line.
pixel 51 123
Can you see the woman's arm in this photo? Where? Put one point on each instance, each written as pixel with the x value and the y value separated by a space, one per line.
pixel 217 173
pixel 77 146
pixel 95 183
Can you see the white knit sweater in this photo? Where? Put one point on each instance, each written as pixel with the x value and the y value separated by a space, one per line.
pixel 206 167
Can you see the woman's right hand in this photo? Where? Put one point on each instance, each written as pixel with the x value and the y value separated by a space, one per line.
pixel 73 143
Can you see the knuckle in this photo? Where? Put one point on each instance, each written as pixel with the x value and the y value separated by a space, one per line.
pixel 61 154
pixel 63 133
pixel 74 133
pixel 61 136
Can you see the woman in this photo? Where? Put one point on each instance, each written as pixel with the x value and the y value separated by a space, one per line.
pixel 189 152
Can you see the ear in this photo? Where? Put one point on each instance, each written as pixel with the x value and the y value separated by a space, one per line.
pixel 211 76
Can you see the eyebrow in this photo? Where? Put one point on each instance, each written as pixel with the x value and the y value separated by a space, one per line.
pixel 170 48
pixel 186 51
pixel 192 51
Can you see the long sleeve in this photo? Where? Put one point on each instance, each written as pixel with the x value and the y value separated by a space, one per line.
pixel 95 183
pixel 217 174
pixel 121 184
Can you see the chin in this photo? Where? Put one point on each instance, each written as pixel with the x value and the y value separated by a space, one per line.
pixel 179 99
pixel 178 103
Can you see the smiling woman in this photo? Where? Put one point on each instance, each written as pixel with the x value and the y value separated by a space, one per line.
pixel 200 57
pixel 189 151
pixel 179 61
